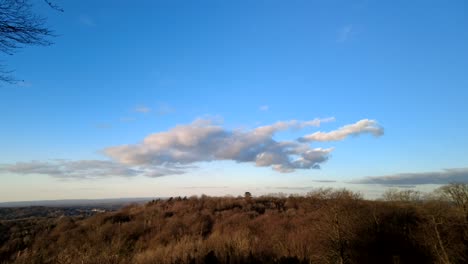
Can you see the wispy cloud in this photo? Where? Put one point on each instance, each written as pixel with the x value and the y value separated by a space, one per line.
pixel 85 169
pixel 291 124
pixel 324 181
pixel 297 188
pixel 364 126
pixel 264 108
pixel 434 177
pixel 142 109
pixel 345 33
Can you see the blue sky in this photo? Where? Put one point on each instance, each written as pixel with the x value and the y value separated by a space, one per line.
pixel 120 71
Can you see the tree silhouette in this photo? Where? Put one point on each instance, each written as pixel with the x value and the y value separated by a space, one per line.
pixel 458 194
pixel 20 27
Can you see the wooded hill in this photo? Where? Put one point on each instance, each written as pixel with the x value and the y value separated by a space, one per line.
pixel 325 226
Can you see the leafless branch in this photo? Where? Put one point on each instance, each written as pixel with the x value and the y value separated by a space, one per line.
pixel 20 27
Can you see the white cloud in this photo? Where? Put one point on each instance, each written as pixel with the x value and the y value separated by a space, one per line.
pixel 364 126
pixel 205 140
pixel 291 124
pixel 179 149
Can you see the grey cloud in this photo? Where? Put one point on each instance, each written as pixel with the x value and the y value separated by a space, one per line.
pixel 404 186
pixel 205 140
pixel 304 188
pixel 364 126
pixel 84 169
pixel 439 177
pixel 325 181
pixel 154 172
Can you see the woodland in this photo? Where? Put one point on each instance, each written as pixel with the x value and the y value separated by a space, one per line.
pixel 323 226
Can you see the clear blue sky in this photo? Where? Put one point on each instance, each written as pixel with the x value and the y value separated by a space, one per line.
pixel 120 71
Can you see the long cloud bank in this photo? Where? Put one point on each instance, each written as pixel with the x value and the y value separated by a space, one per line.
pixel 435 177
pixel 86 169
pixel 204 140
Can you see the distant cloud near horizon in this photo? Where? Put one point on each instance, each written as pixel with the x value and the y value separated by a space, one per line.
pixel 85 169
pixel 324 181
pixel 434 177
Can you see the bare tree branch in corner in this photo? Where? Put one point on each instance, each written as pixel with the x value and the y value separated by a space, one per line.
pixel 54 6
pixel 20 27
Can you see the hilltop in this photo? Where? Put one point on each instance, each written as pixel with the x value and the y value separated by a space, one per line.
pixel 322 227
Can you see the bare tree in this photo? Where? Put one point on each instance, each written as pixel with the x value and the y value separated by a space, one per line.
pixel 458 194
pixel 20 27
pixel 395 195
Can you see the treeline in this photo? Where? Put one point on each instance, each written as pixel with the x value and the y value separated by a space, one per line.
pixel 324 226
pixel 16 213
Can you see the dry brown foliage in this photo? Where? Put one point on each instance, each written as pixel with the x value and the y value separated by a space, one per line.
pixel 325 226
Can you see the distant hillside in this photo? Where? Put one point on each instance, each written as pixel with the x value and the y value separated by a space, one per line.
pixel 77 202
pixel 322 227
